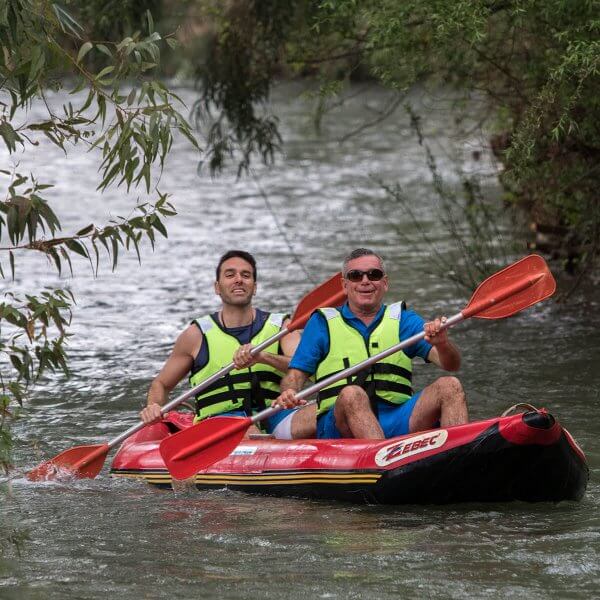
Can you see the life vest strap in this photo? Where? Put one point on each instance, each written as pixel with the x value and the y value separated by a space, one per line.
pixel 245 377
pixel 369 386
pixel 237 396
pixel 388 369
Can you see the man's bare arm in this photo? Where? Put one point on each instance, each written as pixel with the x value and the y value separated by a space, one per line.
pixel 174 370
pixel 444 353
pixel 291 384
pixel 243 360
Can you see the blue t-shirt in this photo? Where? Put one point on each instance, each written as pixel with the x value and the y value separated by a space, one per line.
pixel 314 345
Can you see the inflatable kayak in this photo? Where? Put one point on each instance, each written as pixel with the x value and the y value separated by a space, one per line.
pixel 527 456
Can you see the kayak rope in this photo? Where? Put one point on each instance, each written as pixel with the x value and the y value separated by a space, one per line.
pixel 514 407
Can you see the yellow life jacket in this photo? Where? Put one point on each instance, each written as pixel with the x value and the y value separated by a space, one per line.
pixel 389 380
pixel 252 389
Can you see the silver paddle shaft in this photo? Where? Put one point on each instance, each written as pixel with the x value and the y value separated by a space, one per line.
pixel 269 412
pixel 198 388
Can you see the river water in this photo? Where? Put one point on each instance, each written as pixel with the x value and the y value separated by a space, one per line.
pixel 105 538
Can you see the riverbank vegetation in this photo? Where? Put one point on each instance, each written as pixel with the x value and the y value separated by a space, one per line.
pixel 535 63
pixel 119 113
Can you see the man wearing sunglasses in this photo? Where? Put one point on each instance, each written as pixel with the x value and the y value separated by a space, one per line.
pixel 378 402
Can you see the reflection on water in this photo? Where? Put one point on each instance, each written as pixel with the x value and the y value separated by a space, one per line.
pixel 99 538
pixel 158 544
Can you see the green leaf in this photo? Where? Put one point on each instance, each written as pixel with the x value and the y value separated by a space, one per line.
pixel 190 136
pixel 102 48
pixel 66 21
pixel 137 249
pixel 37 62
pixel 11 258
pixel 105 72
pixel 101 109
pixel 97 262
pixel 86 230
pixel 77 247
pixel 16 390
pixel 150 235
pixel 54 254
pixel 115 252
pixel 150 22
pixel 17 363
pixel 159 226
pixel 9 135
pixel 65 255
pixel 12 223
pixel 85 48
pixel 87 102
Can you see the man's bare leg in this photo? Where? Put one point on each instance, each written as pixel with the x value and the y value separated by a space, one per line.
pixel 353 415
pixel 304 423
pixel 444 401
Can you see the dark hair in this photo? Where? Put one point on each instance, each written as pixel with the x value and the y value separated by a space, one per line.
pixel 357 254
pixel 237 254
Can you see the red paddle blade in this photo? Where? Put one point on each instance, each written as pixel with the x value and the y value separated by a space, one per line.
pixel 198 447
pixel 512 289
pixel 79 462
pixel 330 293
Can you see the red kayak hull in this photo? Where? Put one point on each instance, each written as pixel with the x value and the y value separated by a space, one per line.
pixel 527 457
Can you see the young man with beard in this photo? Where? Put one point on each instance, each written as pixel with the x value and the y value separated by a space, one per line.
pixel 225 336
pixel 378 402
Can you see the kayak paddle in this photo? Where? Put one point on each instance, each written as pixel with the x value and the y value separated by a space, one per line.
pixel 503 294
pixel 87 461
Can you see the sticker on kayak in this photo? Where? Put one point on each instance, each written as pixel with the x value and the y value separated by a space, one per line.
pixel 245 451
pixel 410 446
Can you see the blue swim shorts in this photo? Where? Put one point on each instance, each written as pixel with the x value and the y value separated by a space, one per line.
pixel 394 420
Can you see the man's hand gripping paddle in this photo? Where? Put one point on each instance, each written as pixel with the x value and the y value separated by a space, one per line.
pixel 505 293
pixel 87 461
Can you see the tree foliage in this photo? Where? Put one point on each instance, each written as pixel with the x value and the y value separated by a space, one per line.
pixel 536 62
pixel 241 59
pixel 119 113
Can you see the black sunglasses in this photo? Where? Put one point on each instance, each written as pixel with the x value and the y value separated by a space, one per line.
pixel 356 275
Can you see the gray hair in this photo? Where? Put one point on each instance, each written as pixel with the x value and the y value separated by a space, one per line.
pixel 357 254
